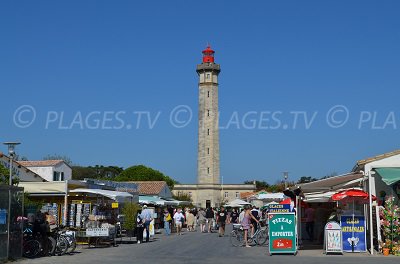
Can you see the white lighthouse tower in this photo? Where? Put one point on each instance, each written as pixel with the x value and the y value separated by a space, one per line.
pixel 209 191
pixel 208 134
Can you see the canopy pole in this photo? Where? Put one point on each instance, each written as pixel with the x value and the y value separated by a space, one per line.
pixel 65 213
pixel 371 225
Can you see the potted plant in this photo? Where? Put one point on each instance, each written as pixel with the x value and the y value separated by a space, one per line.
pixel 385 247
pixel 129 210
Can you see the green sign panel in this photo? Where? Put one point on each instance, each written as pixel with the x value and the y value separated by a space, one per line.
pixel 282 233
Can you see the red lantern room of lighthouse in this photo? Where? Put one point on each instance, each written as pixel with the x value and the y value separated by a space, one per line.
pixel 208 55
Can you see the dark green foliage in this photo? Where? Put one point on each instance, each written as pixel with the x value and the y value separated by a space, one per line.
pixel 96 172
pixel 129 211
pixel 182 197
pixel 143 173
pixel 4 174
pixel 306 179
pixel 260 185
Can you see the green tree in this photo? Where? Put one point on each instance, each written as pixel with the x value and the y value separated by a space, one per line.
pixel 80 173
pixel 279 186
pixel 143 173
pixel 96 172
pixel 260 185
pixel 4 174
pixel 305 179
pixel 182 197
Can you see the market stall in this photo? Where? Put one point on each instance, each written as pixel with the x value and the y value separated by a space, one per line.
pixel 95 214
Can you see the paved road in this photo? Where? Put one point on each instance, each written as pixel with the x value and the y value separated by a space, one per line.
pixel 199 248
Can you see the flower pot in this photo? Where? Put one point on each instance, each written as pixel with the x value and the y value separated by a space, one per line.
pixel 385 251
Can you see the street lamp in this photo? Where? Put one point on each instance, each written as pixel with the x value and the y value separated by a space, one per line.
pixel 285 176
pixel 11 153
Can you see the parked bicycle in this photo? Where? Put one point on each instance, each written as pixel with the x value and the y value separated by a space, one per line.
pixel 60 243
pixel 260 237
pixel 31 243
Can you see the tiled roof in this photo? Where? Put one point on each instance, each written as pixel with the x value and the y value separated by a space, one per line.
pixel 40 163
pixel 150 187
pixel 245 195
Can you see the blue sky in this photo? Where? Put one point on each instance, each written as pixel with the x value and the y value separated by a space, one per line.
pixel 77 62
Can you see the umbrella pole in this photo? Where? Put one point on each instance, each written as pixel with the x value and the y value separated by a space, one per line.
pixel 352 231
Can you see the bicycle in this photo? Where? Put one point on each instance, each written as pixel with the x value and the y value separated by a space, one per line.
pixel 31 245
pixel 61 242
pixel 259 237
pixel 70 236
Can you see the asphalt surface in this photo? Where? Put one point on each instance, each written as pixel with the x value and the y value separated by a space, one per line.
pixel 196 247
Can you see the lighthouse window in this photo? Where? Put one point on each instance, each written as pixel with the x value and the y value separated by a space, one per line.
pixel 208 112
pixel 208 132
pixel 208 150
pixel 208 170
pixel 208 93
pixel 207 76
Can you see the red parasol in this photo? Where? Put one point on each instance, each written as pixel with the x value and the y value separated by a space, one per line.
pixel 352 195
pixel 289 200
pixel 286 201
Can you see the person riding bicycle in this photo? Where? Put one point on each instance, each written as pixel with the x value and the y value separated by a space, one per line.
pixel 246 223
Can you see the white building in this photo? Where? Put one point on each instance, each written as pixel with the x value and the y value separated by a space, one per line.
pixel 23 173
pixel 50 170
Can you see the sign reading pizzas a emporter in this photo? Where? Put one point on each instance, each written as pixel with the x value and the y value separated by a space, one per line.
pixel 282 233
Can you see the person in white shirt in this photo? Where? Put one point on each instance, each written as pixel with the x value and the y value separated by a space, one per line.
pixel 241 216
pixel 147 217
pixel 178 219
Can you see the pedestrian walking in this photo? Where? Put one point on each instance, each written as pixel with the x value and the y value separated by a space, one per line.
pixel 221 220
pixel 190 221
pixel 179 218
pixel 147 217
pixel 257 215
pixel 139 228
pixel 201 217
pixel 241 216
pixel 234 216
pixel 167 222
pixel 210 218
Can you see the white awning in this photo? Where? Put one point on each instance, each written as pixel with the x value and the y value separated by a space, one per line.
pixel 117 196
pixel 236 203
pixel 271 196
pixel 333 183
pixel 322 190
pixel 156 200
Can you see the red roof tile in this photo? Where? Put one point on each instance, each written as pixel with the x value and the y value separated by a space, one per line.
pixel 40 163
pixel 150 187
